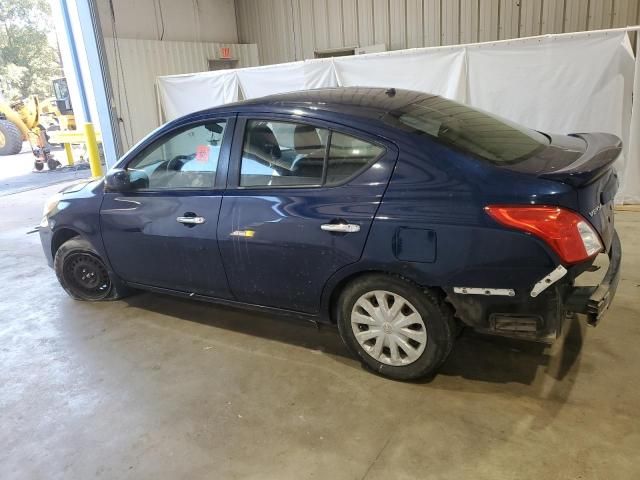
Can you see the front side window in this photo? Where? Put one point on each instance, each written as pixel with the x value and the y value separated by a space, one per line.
pixel 488 136
pixel 186 159
pixel 280 154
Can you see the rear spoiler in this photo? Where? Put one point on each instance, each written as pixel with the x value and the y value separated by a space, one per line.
pixel 602 150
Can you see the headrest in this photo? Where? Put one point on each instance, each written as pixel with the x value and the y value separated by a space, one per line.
pixel 306 139
pixel 262 142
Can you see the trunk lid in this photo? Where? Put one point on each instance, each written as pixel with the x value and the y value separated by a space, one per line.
pixel 584 161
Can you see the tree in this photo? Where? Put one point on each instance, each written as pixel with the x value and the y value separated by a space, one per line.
pixel 28 62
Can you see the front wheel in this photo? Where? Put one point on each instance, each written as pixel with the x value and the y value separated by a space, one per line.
pixel 52 163
pixel 83 274
pixel 396 328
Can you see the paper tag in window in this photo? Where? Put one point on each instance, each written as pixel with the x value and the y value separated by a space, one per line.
pixel 202 153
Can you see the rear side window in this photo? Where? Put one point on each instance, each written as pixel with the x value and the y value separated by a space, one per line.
pixel 495 139
pixel 347 156
pixel 283 154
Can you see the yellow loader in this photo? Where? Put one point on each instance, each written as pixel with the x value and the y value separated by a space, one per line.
pixel 20 121
pixel 56 112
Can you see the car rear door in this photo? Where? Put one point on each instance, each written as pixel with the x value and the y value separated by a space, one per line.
pixel 162 233
pixel 300 199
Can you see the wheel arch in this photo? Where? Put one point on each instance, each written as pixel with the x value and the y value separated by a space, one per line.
pixel 60 236
pixel 337 289
pixel 333 291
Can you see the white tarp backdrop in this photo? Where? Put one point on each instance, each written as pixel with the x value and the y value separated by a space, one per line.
pixel 630 188
pixel 182 94
pixel 556 83
pixel 286 77
pixel 564 85
pixel 439 71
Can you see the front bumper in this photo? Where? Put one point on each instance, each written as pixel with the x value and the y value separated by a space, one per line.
pixel 45 239
pixel 593 301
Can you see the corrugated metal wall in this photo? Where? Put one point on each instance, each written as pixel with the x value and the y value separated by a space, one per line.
pixel 287 30
pixel 135 64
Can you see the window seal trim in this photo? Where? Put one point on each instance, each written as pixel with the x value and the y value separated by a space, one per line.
pixel 325 161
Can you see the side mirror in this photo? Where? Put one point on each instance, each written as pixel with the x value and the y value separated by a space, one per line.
pixel 126 180
pixel 118 181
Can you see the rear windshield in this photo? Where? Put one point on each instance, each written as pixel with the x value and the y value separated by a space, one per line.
pixel 473 131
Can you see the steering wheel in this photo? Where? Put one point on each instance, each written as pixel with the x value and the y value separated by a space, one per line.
pixel 177 158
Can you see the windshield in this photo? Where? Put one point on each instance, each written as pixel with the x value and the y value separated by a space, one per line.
pixel 488 136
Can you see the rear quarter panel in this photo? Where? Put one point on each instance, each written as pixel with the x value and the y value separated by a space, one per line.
pixel 443 194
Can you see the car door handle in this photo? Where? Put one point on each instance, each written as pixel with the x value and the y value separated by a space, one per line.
pixel 191 220
pixel 340 227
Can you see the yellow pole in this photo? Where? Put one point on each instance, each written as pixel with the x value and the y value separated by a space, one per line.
pixel 92 149
pixel 67 150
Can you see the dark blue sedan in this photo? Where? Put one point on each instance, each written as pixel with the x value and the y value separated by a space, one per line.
pixel 397 215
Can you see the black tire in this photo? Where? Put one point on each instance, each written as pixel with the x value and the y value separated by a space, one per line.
pixel 38 165
pixel 436 315
pixel 12 138
pixel 52 163
pixel 83 274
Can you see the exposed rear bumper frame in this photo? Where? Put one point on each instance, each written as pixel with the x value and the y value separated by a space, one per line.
pixel 593 301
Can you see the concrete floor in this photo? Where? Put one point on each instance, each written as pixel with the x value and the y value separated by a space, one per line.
pixel 158 387
pixel 18 174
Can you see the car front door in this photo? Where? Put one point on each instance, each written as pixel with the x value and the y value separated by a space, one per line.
pixel 162 231
pixel 299 203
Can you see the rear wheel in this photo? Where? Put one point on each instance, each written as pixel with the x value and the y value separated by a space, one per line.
pixel 83 274
pixel 10 138
pixel 396 328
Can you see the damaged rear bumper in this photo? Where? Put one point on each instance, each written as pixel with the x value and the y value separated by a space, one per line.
pixel 538 313
pixel 593 301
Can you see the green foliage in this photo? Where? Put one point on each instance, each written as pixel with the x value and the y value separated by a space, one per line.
pixel 28 62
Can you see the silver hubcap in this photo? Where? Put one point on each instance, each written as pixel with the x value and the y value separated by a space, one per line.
pixel 388 328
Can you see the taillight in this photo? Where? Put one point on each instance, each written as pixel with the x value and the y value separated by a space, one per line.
pixel 566 232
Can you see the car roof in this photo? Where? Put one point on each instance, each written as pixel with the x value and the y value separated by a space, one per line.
pixel 359 101
pixel 366 107
pixel 381 99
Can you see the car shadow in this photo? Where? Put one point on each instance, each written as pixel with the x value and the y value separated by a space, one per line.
pixel 284 329
pixel 494 359
pixel 483 359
